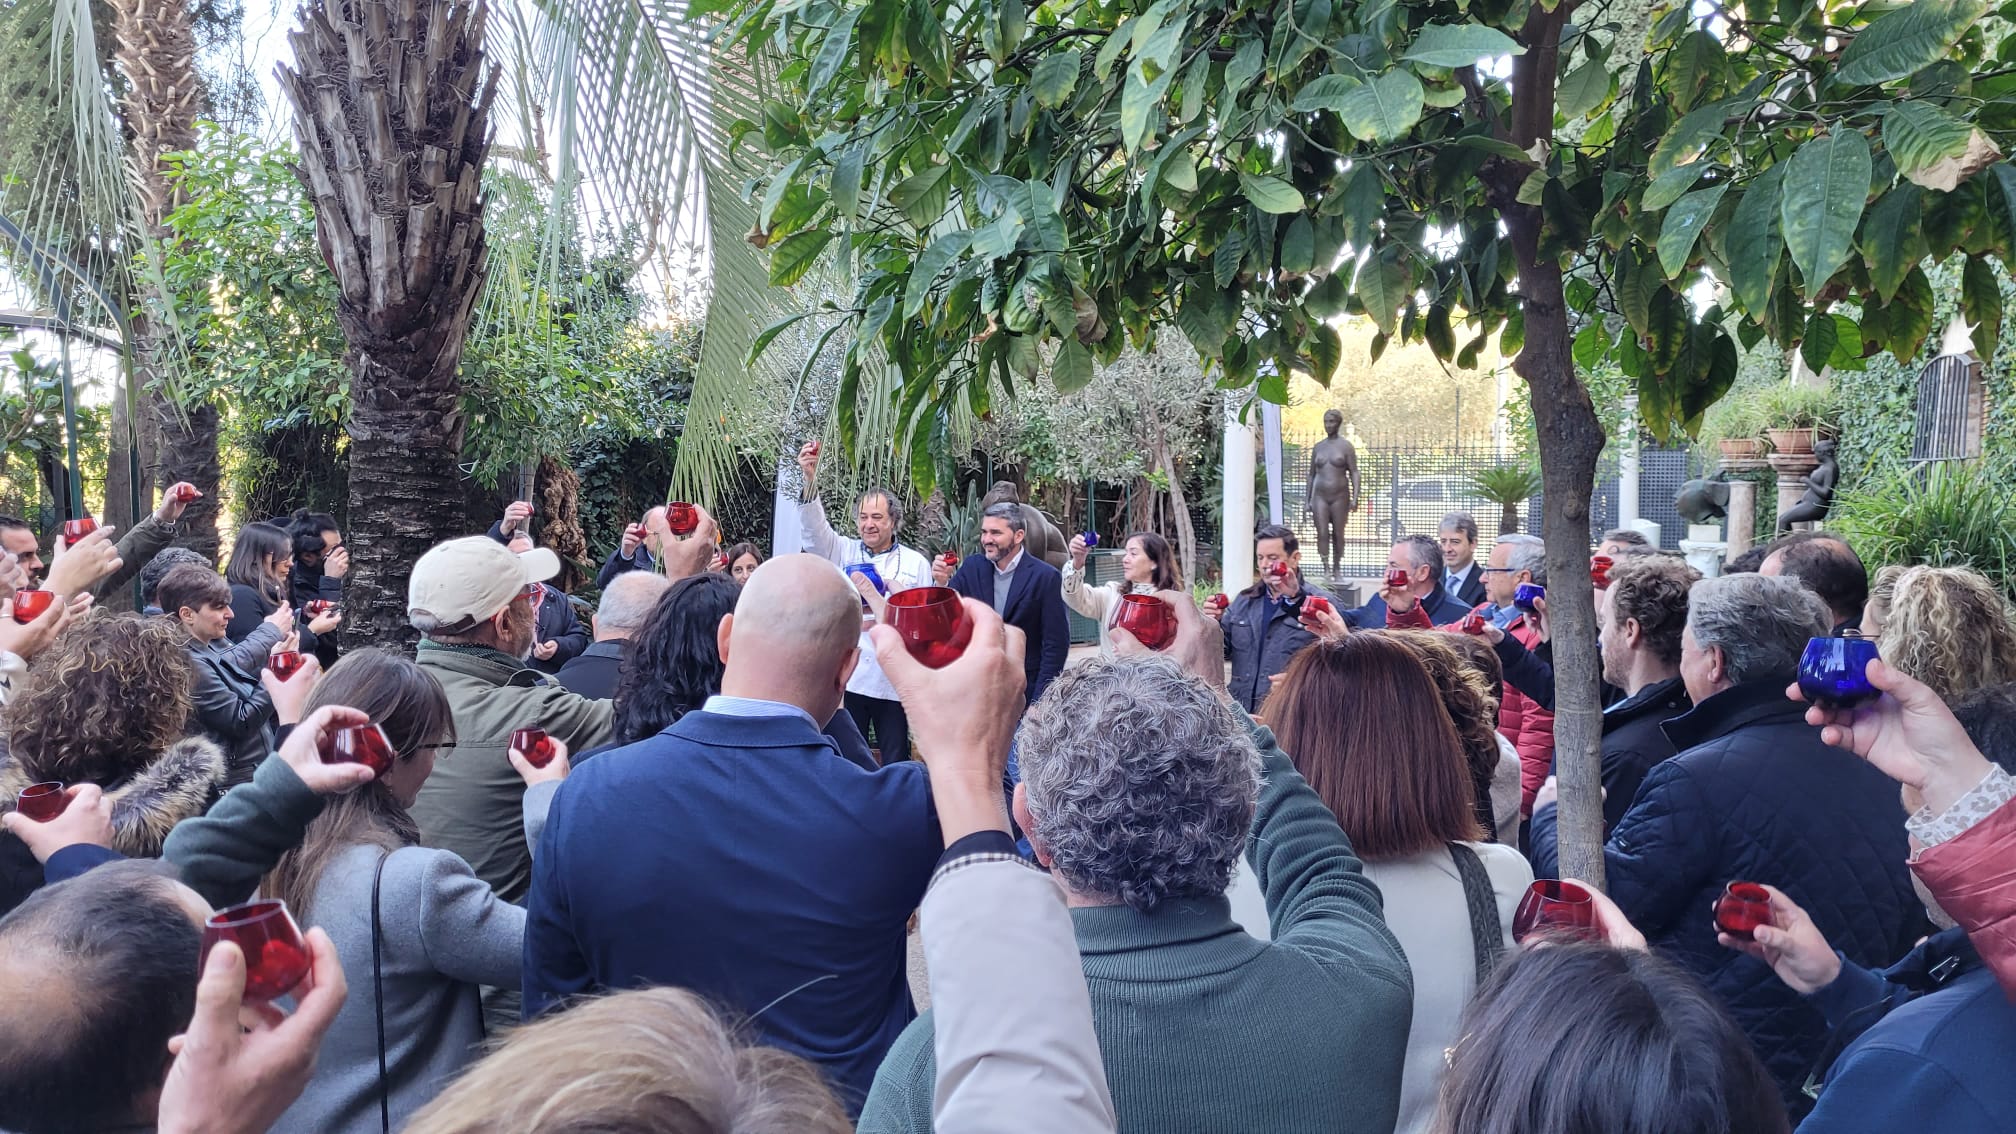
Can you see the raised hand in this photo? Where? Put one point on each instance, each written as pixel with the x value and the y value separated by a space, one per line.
pixel 1908 733
pixel 77 568
pixel 517 514
pixel 1199 645
pixel 1792 945
pixel 302 751
pixel 87 818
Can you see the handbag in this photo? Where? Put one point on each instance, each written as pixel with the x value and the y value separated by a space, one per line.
pixel 378 998
pixel 1487 938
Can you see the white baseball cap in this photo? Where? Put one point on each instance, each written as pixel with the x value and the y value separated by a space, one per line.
pixel 465 581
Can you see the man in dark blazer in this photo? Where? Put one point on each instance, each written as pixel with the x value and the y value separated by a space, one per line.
pixel 1421 558
pixel 738 854
pixel 626 602
pixel 1024 590
pixel 1462 575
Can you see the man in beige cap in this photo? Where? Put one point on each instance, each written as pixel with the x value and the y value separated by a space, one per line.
pixel 471 600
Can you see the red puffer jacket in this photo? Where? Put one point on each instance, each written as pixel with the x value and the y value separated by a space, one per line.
pixel 1973 876
pixel 1529 727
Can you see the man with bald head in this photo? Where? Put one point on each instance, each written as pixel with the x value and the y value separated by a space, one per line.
pixel 738 854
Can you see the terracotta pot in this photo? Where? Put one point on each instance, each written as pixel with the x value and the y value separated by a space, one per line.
pixel 1791 440
pixel 1741 447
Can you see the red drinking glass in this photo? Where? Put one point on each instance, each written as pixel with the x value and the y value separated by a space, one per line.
pixel 1473 623
pixel 42 802
pixel 316 608
pixel 1553 908
pixel 285 663
pixel 74 530
pixel 949 559
pixel 1221 600
pixel 1742 907
pixel 358 744
pixel 933 623
pixel 1315 604
pixel 1599 570
pixel 1149 619
pixel 1278 570
pixel 535 746
pixel 187 494
pixel 682 518
pixel 1398 578
pixel 276 959
pixel 636 532
pixel 29 604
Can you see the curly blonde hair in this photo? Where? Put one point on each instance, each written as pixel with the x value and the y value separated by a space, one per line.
pixel 103 701
pixel 1949 628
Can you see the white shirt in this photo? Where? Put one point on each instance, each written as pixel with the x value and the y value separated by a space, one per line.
pixel 900 567
pixel 751 707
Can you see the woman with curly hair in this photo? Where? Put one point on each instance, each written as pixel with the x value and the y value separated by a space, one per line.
pixel 106 705
pixel 1470 696
pixel 673 664
pixel 1946 626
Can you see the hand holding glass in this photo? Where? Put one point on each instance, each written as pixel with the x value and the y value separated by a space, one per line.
pixel 276 959
pixel 932 622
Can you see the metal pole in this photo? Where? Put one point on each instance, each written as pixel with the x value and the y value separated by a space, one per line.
pixel 70 430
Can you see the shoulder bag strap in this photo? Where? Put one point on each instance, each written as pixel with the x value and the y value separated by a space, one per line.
pixel 1487 939
pixel 378 998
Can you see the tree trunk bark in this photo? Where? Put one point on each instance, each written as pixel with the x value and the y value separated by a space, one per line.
pixel 1571 438
pixel 1508 517
pixel 405 445
pixel 1186 534
pixel 185 448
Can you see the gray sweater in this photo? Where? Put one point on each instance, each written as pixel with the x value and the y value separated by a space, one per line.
pixel 444 934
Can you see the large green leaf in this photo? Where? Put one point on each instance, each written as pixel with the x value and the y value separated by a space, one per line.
pixel 1382 287
pixel 1755 241
pixel 1385 108
pixel 1270 194
pixel 832 51
pixel 1816 346
pixel 793 256
pixel 1919 135
pixel 1690 138
pixel 1072 369
pixel 1893 238
pixel 1583 89
pixel 1671 186
pixel 925 271
pixel 1683 224
pixel 1981 305
pixel 1907 40
pixel 1140 99
pixel 1324 92
pixel 1055 77
pixel 1826 186
pixel 1459 45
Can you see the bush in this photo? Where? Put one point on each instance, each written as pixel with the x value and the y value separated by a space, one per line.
pixel 1950 514
pixel 1786 406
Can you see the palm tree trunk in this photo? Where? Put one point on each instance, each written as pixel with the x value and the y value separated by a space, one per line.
pixel 156 49
pixel 391 106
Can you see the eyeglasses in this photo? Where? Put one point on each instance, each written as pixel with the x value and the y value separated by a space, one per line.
pixel 530 592
pixel 1494 570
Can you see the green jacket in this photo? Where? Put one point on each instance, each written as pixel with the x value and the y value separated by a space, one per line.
pixel 472 804
pixel 1203 1028
pixel 142 542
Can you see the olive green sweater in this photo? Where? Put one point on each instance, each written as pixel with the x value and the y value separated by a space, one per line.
pixel 1201 1027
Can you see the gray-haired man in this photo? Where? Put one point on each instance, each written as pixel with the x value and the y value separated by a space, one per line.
pixel 1025 591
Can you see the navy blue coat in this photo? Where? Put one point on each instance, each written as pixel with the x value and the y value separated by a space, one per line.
pixel 1925 1045
pixel 1443 609
pixel 745 859
pixel 1260 636
pixel 1035 603
pixel 1755 795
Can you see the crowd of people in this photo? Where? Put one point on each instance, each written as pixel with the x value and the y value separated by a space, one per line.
pixel 653 866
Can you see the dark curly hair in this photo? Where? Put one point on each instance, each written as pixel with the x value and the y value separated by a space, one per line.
pixel 103 702
pixel 672 664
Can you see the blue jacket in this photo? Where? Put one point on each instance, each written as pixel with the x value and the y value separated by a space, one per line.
pixel 1755 795
pixel 1927 1045
pixel 744 859
pixel 1443 609
pixel 1035 603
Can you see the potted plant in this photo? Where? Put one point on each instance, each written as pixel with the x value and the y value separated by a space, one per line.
pixel 1736 426
pixel 1795 415
pixel 1507 486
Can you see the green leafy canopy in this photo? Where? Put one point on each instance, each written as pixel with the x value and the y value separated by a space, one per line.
pixel 1016 176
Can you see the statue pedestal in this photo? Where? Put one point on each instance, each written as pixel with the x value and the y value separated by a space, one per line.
pixel 1791 469
pixel 1742 516
pixel 1704 549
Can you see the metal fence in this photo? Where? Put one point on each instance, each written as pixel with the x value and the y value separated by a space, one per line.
pixel 1408 488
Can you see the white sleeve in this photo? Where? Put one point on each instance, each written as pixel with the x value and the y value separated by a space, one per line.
pixel 1087 600
pixel 820 538
pixel 1012 1026
pixel 12 669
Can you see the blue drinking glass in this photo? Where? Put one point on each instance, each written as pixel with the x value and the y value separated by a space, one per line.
pixel 1091 539
pixel 1834 672
pixel 1524 596
pixel 868 569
